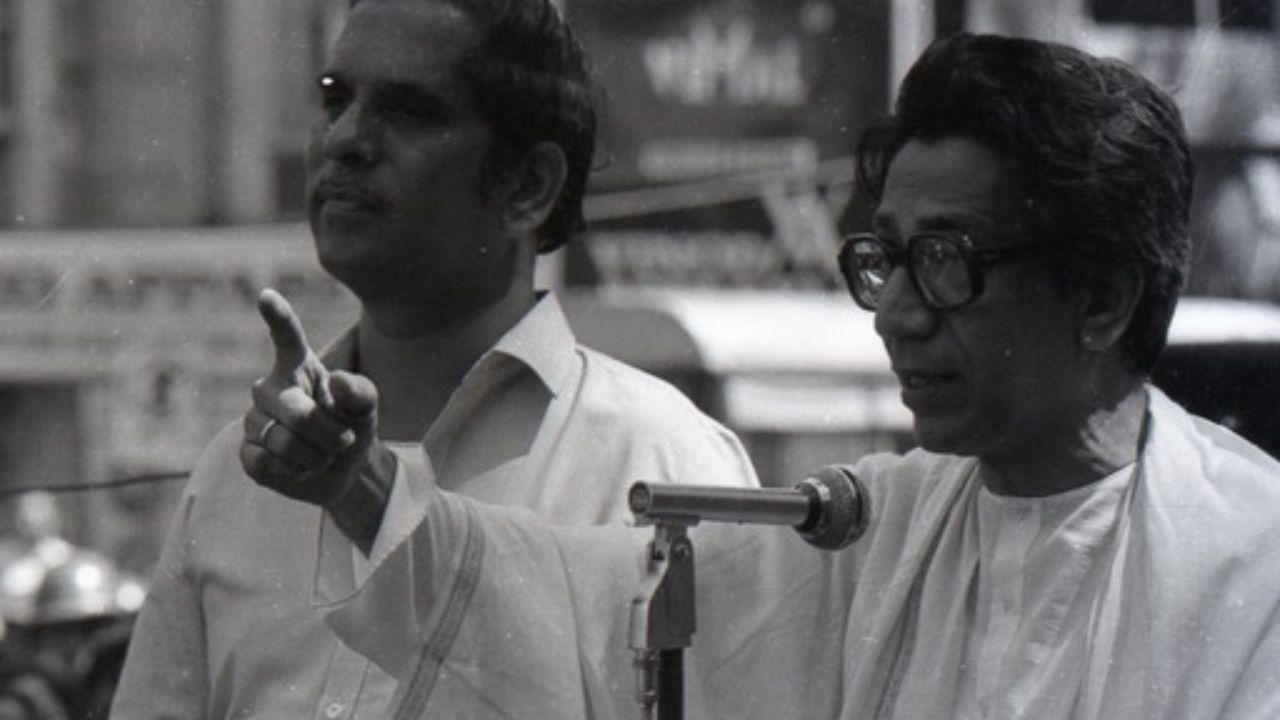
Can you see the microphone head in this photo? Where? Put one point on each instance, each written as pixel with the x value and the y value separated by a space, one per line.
pixel 842 508
pixel 639 499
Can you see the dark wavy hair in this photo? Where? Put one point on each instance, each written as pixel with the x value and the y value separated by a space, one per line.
pixel 532 81
pixel 1101 150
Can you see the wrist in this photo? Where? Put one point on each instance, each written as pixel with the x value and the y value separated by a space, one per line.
pixel 358 508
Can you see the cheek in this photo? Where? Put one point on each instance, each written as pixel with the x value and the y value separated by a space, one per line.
pixel 314 155
pixel 443 188
pixel 998 375
pixel 458 151
pixel 1017 357
pixel 1029 376
pixel 316 135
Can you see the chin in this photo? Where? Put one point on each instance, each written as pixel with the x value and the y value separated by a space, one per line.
pixel 352 269
pixel 951 436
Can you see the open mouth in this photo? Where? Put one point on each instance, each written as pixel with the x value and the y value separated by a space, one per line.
pixel 929 393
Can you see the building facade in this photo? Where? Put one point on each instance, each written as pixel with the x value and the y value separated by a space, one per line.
pixel 151 156
pixel 156 112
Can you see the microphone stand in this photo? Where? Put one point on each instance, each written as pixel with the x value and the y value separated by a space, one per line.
pixel 662 621
pixel 828 509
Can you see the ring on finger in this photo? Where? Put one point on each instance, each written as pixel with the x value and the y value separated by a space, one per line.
pixel 266 430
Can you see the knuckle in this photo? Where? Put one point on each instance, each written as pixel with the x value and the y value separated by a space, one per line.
pixel 253 460
pixel 297 451
pixel 297 403
pixel 262 392
pixel 286 445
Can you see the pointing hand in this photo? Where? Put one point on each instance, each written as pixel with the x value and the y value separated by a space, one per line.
pixel 310 434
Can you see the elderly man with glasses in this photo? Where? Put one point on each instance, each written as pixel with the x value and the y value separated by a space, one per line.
pixel 1066 543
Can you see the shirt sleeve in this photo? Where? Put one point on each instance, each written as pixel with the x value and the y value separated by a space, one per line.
pixel 164 674
pixel 493 607
pixel 478 607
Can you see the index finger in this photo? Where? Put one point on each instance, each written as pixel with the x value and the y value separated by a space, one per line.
pixel 290 341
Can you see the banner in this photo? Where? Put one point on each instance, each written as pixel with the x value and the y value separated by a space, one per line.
pixel 703 88
pixel 726 128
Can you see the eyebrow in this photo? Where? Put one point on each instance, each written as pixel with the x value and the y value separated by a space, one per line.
pixel 952 220
pixel 414 93
pixel 397 91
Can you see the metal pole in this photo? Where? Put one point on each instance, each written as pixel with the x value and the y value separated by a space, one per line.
pixel 671 684
pixel 662 623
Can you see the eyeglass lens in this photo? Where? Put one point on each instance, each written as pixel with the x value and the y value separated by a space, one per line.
pixel 941 268
pixel 869 268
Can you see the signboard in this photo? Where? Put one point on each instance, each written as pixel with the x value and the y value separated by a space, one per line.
pixel 704 88
pixel 725 132
pixel 184 279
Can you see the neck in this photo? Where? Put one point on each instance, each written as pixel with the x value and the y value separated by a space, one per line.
pixel 1105 440
pixel 418 359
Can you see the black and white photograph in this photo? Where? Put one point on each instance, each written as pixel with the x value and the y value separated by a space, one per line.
pixel 639 359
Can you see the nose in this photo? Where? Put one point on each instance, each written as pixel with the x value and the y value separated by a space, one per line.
pixel 352 137
pixel 902 313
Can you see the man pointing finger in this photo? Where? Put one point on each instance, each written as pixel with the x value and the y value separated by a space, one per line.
pixel 452 148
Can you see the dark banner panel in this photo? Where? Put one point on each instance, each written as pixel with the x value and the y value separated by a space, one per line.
pixel 726 128
pixel 704 88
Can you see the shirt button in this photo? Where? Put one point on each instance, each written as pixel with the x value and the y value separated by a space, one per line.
pixel 334 710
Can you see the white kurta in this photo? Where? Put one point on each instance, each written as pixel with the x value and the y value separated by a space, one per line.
pixel 1038 560
pixel 1161 601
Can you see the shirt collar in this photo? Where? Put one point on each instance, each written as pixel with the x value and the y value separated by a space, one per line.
pixel 541 340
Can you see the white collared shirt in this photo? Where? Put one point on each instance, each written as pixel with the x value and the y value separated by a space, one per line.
pixel 539 422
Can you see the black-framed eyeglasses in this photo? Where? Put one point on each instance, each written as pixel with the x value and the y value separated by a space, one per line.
pixel 945 268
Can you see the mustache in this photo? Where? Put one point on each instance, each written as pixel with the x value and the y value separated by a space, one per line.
pixel 348 189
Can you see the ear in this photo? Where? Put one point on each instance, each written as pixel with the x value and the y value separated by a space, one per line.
pixel 533 188
pixel 1109 306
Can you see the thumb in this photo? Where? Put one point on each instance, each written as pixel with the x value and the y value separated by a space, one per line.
pixel 355 400
pixel 287 336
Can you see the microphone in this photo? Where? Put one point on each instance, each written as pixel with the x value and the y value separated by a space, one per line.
pixel 830 508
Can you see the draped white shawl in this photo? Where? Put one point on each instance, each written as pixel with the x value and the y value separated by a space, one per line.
pixel 494 613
